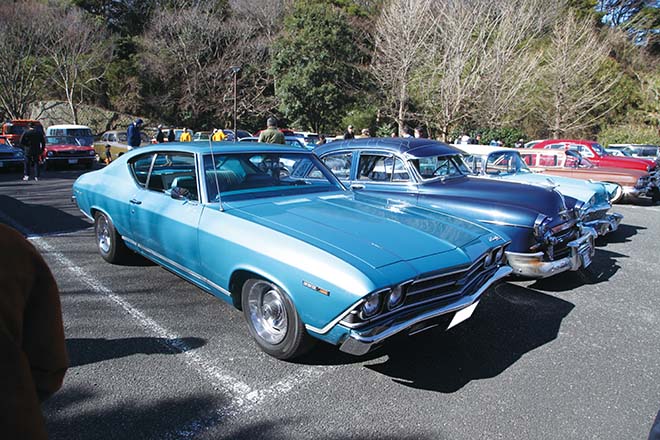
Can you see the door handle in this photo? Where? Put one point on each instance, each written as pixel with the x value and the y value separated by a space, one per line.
pixel 357 186
pixel 135 201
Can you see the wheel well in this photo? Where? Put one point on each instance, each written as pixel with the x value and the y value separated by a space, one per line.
pixel 236 282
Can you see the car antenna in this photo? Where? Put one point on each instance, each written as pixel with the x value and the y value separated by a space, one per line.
pixel 215 174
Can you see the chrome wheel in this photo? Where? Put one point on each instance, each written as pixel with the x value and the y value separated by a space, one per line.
pixel 267 312
pixel 103 234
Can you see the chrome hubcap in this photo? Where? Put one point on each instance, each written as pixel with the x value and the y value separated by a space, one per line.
pixel 268 312
pixel 103 234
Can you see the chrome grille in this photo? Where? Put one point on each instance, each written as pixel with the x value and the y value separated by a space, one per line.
pixel 437 287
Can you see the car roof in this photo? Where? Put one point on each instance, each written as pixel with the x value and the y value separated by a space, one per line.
pixel 220 147
pixel 67 126
pixel 413 146
pixel 481 149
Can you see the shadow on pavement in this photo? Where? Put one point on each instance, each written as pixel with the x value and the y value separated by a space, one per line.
pixel 602 268
pixel 75 413
pixel 621 235
pixel 40 219
pixel 510 322
pixel 83 351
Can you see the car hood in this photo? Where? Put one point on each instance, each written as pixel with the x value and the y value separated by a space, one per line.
pixel 626 162
pixel 582 190
pixel 512 198
pixel 68 147
pixel 4 148
pixel 370 229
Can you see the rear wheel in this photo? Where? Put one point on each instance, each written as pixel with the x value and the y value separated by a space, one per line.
pixel 273 320
pixel 111 246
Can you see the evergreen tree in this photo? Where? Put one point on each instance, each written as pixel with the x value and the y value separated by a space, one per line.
pixel 313 65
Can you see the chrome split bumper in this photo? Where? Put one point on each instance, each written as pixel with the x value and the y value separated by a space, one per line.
pixel 533 266
pixel 361 341
pixel 605 225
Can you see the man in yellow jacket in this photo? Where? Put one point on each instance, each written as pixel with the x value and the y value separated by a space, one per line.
pixel 185 136
pixel 218 135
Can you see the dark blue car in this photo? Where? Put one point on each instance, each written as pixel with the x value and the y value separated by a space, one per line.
pixel 546 235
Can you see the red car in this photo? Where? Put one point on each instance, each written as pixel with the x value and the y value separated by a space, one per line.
pixel 67 150
pixel 597 155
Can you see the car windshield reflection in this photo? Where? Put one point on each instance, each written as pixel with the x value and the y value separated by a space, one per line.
pixel 241 176
pixel 434 167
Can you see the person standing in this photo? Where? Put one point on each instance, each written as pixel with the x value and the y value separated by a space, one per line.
pixel 185 136
pixel 321 140
pixel 218 135
pixel 349 133
pixel 33 143
pixel 271 135
pixel 419 132
pixel 364 133
pixel 160 136
pixel 171 136
pixel 34 358
pixel 133 134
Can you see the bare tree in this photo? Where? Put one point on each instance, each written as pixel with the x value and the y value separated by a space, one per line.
pixel 190 51
pixel 510 60
pixel 78 50
pixel 576 83
pixel 22 67
pixel 402 31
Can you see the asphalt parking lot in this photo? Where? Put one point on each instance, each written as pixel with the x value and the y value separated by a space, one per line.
pixel 572 357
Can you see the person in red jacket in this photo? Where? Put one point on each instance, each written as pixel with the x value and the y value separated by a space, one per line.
pixel 33 358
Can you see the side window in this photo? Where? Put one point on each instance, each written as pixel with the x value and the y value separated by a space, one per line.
pixel 140 166
pixel 340 164
pixel 174 170
pixel 104 138
pixel 380 168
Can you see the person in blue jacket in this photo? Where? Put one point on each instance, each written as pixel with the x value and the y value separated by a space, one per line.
pixel 133 134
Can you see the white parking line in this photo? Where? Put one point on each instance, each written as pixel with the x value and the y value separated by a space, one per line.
pixel 243 397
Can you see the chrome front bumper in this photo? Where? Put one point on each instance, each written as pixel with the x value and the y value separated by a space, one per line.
pixel 605 225
pixel 533 266
pixel 361 341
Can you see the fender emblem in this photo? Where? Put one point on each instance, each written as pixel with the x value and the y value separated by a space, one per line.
pixel 493 238
pixel 315 288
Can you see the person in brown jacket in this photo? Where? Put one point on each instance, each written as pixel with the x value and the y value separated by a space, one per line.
pixel 33 358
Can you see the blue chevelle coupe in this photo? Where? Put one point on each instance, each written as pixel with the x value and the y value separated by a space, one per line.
pixel 546 233
pixel 272 231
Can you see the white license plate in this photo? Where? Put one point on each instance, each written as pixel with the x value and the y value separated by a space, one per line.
pixel 585 255
pixel 462 315
pixel 72 161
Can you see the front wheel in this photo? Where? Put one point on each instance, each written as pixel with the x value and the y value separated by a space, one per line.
pixel 273 321
pixel 111 246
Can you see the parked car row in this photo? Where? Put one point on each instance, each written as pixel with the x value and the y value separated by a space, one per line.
pixel 352 243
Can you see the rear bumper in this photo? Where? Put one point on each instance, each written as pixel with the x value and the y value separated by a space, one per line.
pixel 605 225
pixel 362 341
pixel 532 265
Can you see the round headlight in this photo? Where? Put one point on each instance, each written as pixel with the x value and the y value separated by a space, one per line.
pixel 92 152
pixel 371 305
pixel 395 298
pixel 500 254
pixel 489 259
pixel 50 153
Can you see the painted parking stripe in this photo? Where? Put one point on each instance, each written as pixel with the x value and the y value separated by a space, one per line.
pixel 204 367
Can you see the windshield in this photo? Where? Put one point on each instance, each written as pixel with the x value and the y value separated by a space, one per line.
pixel 575 160
pixel 440 166
pixel 505 163
pixel 62 140
pixel 243 176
